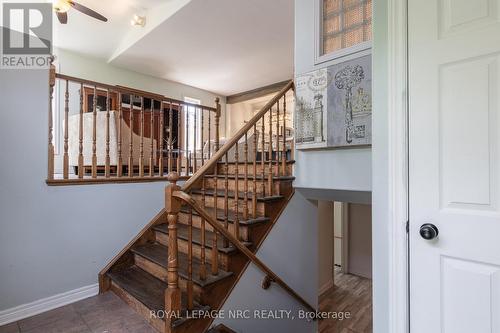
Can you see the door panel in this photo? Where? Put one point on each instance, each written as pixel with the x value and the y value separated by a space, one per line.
pixel 454 147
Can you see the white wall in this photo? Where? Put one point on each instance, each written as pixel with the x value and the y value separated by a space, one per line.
pixel 348 169
pixel 325 245
pixel 291 251
pixel 54 239
pixel 360 240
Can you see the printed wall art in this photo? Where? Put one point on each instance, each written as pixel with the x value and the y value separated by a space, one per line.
pixel 334 106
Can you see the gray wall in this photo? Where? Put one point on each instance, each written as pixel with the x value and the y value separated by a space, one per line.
pixel 291 251
pixel 341 169
pixel 54 239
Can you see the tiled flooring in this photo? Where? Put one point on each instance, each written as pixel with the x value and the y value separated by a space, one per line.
pixel 104 313
pixel 351 294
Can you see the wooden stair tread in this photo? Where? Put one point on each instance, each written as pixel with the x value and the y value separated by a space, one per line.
pixel 220 329
pixel 183 230
pixel 148 290
pixel 241 195
pixel 251 177
pixel 158 254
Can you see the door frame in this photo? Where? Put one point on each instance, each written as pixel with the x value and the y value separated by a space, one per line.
pixel 398 154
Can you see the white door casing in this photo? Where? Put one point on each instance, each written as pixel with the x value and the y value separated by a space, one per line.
pixel 454 166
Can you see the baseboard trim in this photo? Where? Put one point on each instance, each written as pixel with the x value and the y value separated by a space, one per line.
pixel 327 286
pixel 45 304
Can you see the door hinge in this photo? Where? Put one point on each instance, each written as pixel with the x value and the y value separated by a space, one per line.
pixel 407 226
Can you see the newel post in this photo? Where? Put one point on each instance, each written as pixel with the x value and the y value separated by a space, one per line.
pixel 50 156
pixel 217 122
pixel 172 208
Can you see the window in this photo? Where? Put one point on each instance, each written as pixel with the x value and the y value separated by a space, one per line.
pixel 192 114
pixel 345 27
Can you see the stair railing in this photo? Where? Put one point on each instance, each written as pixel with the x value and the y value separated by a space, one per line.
pixel 264 140
pixel 115 134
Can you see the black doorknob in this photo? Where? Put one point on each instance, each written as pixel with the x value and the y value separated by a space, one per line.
pixel 429 231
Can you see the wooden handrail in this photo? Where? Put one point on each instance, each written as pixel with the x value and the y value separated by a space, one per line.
pixel 127 90
pixel 270 275
pixel 231 142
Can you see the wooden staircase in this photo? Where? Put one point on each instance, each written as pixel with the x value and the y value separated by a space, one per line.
pixel 188 259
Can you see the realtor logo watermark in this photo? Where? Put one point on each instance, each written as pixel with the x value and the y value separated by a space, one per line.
pixel 26 35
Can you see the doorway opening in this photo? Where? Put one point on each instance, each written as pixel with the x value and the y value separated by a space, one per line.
pixel 345 261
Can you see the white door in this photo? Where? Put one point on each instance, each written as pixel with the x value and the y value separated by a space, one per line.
pixel 454 77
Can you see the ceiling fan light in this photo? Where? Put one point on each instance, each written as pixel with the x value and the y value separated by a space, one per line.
pixel 138 21
pixel 61 6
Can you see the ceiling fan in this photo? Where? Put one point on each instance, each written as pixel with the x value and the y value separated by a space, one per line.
pixel 61 7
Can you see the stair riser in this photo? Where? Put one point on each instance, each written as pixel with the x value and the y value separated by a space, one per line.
pixel 209 202
pixel 278 187
pixel 161 273
pixel 223 258
pixel 244 230
pixel 241 169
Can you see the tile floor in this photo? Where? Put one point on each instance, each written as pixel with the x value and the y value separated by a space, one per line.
pixel 104 313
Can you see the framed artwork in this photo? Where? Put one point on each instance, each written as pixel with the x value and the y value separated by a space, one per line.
pixel 334 106
pixel 310 110
pixel 350 103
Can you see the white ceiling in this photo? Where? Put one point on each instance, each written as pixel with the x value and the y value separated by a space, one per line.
pixel 224 46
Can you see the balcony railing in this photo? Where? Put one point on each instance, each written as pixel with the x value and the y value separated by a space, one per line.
pixel 100 133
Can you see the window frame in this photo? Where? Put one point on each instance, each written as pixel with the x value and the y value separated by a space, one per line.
pixel 320 58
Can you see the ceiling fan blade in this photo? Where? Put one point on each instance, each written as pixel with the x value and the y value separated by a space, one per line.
pixel 88 11
pixel 62 17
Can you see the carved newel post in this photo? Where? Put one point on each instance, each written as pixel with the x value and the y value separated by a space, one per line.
pixel 172 208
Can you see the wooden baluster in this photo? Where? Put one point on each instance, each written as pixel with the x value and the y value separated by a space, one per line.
pixel 170 141
pixel 190 304
pixel 94 135
pixel 262 157
pixel 66 136
pixel 203 271
pixel 270 162
pixel 226 199
pixel 254 195
pixel 217 123
pixel 151 136
pixel 120 120
pixel 209 135
pixel 278 143
pixel 202 137
pixel 245 186
pixel 160 134
pixel 236 192
pixel 188 152
pixel 215 250
pixel 195 137
pixel 131 139
pixel 179 136
pixel 141 146
pixel 173 292
pixel 107 161
pixel 283 152
pixel 80 136
pixel 50 147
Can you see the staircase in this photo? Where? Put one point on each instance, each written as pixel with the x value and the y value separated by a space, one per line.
pixel 188 259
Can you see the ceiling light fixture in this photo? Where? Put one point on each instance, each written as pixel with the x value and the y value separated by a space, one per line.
pixel 138 21
pixel 61 6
